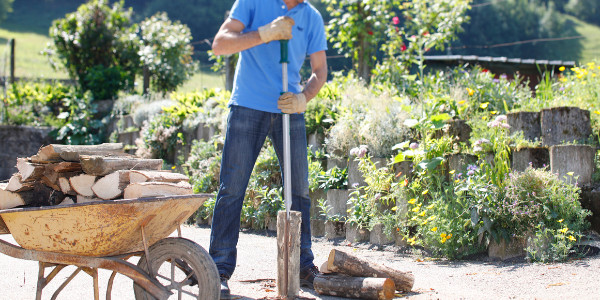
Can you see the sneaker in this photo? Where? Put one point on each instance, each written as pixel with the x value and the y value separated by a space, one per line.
pixel 225 293
pixel 307 276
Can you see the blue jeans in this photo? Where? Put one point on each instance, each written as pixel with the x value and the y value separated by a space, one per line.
pixel 247 130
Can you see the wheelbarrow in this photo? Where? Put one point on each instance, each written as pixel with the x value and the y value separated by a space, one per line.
pixel 105 234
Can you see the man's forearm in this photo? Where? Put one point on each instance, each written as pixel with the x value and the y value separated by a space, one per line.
pixel 230 42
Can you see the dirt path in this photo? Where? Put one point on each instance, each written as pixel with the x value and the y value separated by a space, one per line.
pixel 256 272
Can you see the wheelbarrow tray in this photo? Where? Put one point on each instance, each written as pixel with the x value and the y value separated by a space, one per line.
pixel 102 228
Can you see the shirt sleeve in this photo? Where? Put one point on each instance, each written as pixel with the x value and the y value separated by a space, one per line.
pixel 317 41
pixel 242 11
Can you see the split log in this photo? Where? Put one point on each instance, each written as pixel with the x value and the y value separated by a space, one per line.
pixel 344 263
pixel 65 185
pixel 29 171
pixel 157 176
pixel 41 195
pixel 16 184
pixel 51 184
pixel 82 184
pixel 9 199
pixel 57 152
pixel 101 165
pixel 64 167
pixel 355 287
pixel 154 189
pixel 67 201
pixel 288 288
pixel 112 185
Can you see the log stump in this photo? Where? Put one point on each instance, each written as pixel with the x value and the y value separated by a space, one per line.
pixel 538 157
pixel 526 121
pixel 355 287
pixel 288 287
pixel 562 125
pixel 578 159
pixel 355 234
pixel 378 237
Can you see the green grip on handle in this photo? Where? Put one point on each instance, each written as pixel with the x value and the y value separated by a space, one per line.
pixel 284 51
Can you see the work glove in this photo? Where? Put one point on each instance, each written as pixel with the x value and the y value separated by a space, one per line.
pixel 291 103
pixel 278 29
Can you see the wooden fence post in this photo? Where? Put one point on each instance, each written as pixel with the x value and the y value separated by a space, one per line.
pixel 146 84
pixel 12 61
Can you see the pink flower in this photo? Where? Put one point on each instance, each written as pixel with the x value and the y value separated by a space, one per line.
pixel 414 146
pixel 396 20
pixel 403 48
pixel 370 32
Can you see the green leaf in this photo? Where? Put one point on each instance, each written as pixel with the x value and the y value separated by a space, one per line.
pixel 399 158
pixel 474 216
pixel 430 164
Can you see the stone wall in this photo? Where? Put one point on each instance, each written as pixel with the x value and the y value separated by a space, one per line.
pixel 19 141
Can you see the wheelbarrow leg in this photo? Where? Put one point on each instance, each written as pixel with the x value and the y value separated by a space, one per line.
pixel 41 282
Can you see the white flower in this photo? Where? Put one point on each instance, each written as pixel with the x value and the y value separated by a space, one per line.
pixel 414 146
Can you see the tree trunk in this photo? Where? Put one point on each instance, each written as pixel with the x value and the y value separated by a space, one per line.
pixel 344 263
pixel 355 287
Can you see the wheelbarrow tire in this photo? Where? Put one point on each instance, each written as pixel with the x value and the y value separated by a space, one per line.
pixel 189 258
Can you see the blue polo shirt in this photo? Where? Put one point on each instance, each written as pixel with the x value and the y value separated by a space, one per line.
pixel 258 79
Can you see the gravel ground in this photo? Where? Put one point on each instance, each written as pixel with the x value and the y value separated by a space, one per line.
pixel 255 275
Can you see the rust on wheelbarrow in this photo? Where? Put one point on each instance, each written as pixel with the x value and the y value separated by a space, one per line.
pixel 101 228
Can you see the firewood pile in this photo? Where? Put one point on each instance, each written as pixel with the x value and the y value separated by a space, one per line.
pixel 67 174
pixel 353 277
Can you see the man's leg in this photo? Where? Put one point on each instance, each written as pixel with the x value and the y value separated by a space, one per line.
pixel 299 172
pixel 246 133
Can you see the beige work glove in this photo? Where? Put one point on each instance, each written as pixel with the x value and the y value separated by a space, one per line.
pixel 278 29
pixel 291 103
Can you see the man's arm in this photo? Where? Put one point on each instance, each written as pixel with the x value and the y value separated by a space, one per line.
pixel 318 64
pixel 230 39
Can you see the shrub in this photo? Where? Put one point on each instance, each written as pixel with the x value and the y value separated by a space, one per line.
pixel 98 47
pixel 166 52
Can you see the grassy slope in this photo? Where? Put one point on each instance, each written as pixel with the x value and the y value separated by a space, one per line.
pixel 591 40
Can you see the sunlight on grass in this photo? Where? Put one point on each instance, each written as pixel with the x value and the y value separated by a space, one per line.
pixel 29 62
pixel 203 79
pixel 591 40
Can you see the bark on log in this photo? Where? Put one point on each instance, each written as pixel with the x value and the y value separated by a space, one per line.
pixel 51 184
pixel 157 176
pixel 57 152
pixel 355 287
pixel 289 287
pixel 344 263
pixel 154 189
pixel 100 165
pixel 16 184
pixel 82 184
pixel 29 171
pixel 41 195
pixel 112 185
pixel 64 167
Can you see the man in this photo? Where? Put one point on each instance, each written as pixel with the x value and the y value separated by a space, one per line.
pixel 256 106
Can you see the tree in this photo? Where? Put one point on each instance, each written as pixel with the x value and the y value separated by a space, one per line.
pixel 98 47
pixel 5 9
pixel 356 28
pixel 166 52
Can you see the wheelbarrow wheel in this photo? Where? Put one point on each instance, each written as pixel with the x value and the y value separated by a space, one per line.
pixel 183 267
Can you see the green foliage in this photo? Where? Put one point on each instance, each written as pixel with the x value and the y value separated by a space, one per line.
pixel 5 9
pixel 335 178
pixel 35 103
pixel 80 125
pixel 97 42
pixel 159 137
pixel 356 28
pixel 204 165
pixel 321 112
pixel 166 52
pixel 502 22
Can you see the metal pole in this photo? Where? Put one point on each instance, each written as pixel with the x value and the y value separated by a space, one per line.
pixel 287 163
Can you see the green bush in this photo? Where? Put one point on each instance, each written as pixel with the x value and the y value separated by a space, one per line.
pixel 36 103
pixel 98 42
pixel 166 52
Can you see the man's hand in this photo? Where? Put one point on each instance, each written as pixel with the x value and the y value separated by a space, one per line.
pixel 278 29
pixel 291 103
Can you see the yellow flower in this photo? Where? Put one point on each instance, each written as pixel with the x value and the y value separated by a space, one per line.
pixel 452 172
pixel 422 214
pixel 431 218
pixel 564 230
pixel 434 229
pixel 443 240
pixel 394 208
pixel 424 223
pixel 425 192
pixel 412 201
pixel 571 238
pixel 493 112
pixel 449 236
pixel 416 209
pixel 430 206
pixel 411 241
pixel 484 105
pixel 456 181
pixel 470 91
pixel 597 112
pixel 561 220
pixel 570 173
pixel 562 68
pixel 442 235
pixel 461 102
